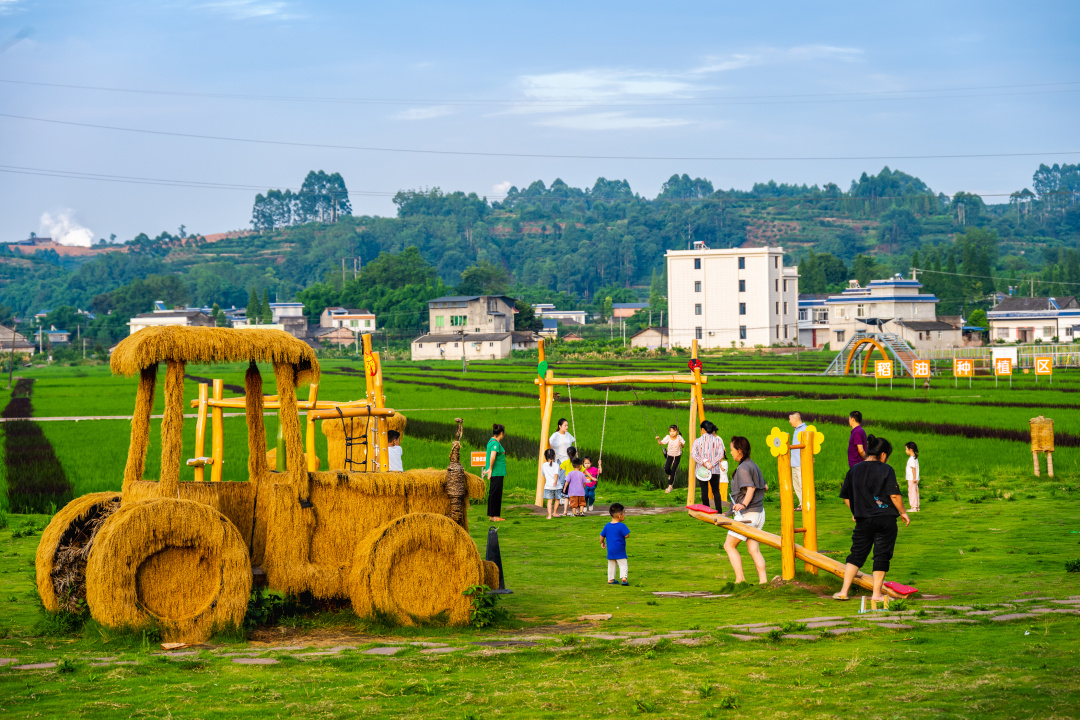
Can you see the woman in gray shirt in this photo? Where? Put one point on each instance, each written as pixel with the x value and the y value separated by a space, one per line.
pixel 748 502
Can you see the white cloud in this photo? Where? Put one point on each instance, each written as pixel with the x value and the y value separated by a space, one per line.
pixel 725 63
pixel 424 113
pixel 831 52
pixel 611 121
pixel 250 9
pixel 501 188
pixel 552 92
pixel 64 229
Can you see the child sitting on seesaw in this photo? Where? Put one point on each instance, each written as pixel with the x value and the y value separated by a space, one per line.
pixel 592 473
pixel 613 539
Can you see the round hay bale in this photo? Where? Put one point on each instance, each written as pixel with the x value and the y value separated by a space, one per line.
pixel 1042 434
pixel 177 564
pixel 65 544
pixel 491 575
pixel 414 569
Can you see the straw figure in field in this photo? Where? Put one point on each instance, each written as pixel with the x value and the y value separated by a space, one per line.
pixel 456 484
pixel 181 554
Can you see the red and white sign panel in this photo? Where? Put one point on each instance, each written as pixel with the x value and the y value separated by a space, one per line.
pixel 1044 366
pixel 963 368
pixel 1003 366
pixel 883 369
pixel 478 458
pixel 921 368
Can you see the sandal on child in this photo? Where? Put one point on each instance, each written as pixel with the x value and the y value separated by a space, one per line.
pixel 612 582
pixel 838 596
pixel 624 582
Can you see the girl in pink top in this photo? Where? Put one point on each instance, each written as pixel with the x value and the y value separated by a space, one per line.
pixel 672 453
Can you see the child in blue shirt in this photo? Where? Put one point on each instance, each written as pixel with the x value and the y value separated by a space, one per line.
pixel 613 537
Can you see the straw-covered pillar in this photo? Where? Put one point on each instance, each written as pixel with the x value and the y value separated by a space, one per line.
pixel 289 417
pixel 456 484
pixel 253 409
pixel 1042 440
pixel 172 430
pixel 140 426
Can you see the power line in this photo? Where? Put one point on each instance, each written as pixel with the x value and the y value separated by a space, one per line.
pixel 995 277
pixel 799 98
pixel 466 153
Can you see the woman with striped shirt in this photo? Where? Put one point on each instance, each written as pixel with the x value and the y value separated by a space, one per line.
pixel 708 451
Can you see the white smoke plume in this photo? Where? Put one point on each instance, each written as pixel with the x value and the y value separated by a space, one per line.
pixel 65 230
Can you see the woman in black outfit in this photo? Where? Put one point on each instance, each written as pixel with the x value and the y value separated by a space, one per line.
pixel 872 494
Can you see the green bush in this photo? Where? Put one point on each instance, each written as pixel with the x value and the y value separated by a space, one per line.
pixel 1072 565
pixel 485 606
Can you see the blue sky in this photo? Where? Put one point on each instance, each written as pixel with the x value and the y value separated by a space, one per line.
pixel 688 80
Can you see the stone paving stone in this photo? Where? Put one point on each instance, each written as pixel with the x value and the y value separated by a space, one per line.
pixel 799 637
pixel 240 654
pixel 1062 611
pixel 744 625
pixel 643 641
pixel 35 666
pixel 428 644
pixel 504 643
pixel 178 653
pixel 331 651
pixel 1013 616
pixel 605 636
pixel 690 641
pixel 763 630
pixel 824 618
pixel 824 624
pixel 272 648
pixel 1023 600
pixel 255 661
pixel 844 630
pixel 738 636
pixel 392 650
pixel 7 661
pixel 439 650
pixel 983 612
pixel 493 651
pixel 637 633
pixel 1069 601
pixel 600 616
pixel 945 621
pixel 895 626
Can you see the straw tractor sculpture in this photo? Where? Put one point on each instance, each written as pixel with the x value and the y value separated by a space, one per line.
pixel 181 554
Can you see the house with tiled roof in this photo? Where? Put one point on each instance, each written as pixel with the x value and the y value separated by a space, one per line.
pixel 1024 320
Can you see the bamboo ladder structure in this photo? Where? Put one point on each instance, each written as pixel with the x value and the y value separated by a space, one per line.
pixel 373 405
pixel 547 383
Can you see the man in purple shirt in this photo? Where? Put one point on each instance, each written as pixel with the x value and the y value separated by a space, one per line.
pixel 856 447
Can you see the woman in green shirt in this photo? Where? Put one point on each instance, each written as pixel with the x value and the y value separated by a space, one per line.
pixel 495 470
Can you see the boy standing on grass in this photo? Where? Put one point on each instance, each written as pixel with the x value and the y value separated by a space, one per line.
pixel 393 441
pixel 613 539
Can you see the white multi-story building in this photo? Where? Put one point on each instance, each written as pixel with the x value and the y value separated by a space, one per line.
pixel 885 304
pixel 743 295
pixel 1027 319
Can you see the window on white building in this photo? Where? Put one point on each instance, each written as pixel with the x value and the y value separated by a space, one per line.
pixel 785 332
pixel 367 323
pixel 742 286
pixel 785 308
pixel 697 333
pixel 839 336
pixel 742 308
pixel 777 284
pixel 697 309
pixel 860 311
pixel 742 263
pixel 440 321
pixel 777 308
pixel 802 314
pixel 697 263
pixel 1048 331
pixel 697 286
pixel 1003 333
pixel 354 323
pixel 777 332
pixel 785 286
pixel 776 262
pixel 742 332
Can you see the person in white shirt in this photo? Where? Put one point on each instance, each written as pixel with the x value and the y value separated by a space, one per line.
pixel 393 440
pixel 708 451
pixel 551 471
pixel 796 455
pixel 561 439
pixel 913 476
pixel 672 453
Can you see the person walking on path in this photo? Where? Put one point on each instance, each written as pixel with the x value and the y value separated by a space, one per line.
pixel 561 440
pixel 871 493
pixel 708 451
pixel 672 453
pixel 748 502
pixel 913 475
pixel 613 539
pixel 799 426
pixel 495 470
pixel 856 446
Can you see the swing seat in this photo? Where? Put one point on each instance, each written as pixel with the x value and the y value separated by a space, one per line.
pixel 702 509
pixel 899 589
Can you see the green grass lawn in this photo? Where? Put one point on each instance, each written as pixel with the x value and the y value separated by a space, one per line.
pixel 989 533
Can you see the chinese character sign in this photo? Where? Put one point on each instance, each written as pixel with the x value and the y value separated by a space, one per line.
pixel 883 369
pixel 1003 366
pixel 1044 366
pixel 963 368
pixel 921 368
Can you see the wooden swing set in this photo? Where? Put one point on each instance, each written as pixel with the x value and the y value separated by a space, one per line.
pixel 546 381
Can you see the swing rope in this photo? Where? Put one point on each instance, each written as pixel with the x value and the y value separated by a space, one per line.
pixel 603 428
pixel 573 425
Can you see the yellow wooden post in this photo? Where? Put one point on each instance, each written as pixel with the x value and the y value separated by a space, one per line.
pixel 371 458
pixel 787 517
pixel 309 444
pixel 217 434
pixel 545 428
pixel 691 431
pixel 809 502
pixel 383 454
pixel 200 430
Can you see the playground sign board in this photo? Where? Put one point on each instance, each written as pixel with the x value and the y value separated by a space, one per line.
pixel 883 369
pixel 1003 366
pixel 478 458
pixel 921 368
pixel 1044 365
pixel 962 368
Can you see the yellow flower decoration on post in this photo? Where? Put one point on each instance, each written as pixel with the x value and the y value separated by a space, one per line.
pixel 818 439
pixel 777 442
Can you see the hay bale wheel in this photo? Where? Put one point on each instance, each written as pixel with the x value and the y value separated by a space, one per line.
pixel 414 568
pixel 491 575
pixel 176 564
pixel 62 552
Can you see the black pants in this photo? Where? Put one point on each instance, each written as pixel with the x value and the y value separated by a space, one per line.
pixel 671 466
pixel 714 483
pixel 878 532
pixel 495 484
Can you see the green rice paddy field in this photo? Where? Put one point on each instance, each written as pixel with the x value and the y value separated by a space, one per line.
pixel 989 533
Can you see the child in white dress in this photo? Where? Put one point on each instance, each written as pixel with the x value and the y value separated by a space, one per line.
pixel 913 476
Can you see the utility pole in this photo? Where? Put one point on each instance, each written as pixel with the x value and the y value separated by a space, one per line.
pixel 342 273
pixel 1032 286
pixel 11 367
pixel 463 361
